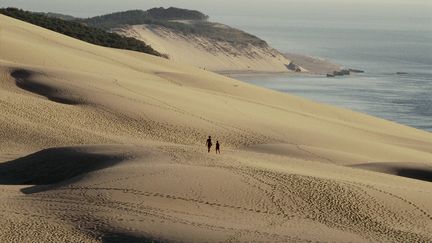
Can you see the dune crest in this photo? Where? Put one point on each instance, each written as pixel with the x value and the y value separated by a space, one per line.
pixel 210 54
pixel 100 144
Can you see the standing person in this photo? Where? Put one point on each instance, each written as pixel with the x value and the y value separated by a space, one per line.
pixel 209 143
pixel 217 147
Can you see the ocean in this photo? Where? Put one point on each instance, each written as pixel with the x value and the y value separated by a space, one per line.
pixel 381 47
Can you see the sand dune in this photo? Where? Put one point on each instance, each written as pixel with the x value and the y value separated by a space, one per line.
pixel 225 57
pixel 206 53
pixel 100 144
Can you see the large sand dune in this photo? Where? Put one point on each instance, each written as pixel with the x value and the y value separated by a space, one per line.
pixel 207 53
pixel 99 144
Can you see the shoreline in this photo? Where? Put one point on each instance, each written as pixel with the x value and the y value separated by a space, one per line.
pixel 234 74
pixel 310 66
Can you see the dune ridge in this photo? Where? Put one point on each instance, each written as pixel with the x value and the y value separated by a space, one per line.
pixel 101 145
pixel 206 53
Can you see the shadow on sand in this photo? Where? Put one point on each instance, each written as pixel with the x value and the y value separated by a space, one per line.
pixel 424 175
pixel 27 80
pixel 124 237
pixel 51 167
pixel 416 171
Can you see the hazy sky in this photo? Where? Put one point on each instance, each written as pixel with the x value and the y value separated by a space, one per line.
pixel 85 8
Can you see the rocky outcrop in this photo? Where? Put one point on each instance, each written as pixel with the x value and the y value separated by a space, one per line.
pixel 356 70
pixel 344 72
pixel 311 65
pixel 294 67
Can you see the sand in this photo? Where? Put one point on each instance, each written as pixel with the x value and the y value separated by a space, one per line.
pixel 224 57
pixel 98 144
pixel 206 53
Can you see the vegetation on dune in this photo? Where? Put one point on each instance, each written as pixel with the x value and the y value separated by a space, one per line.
pixel 135 17
pixel 114 20
pixel 215 32
pixel 80 31
pixel 180 20
pixel 97 30
pixel 59 16
pixel 176 13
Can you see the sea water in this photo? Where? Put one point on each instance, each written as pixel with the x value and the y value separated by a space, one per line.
pixel 381 47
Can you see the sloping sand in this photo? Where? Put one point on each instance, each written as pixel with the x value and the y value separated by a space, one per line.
pixel 209 54
pixel 99 144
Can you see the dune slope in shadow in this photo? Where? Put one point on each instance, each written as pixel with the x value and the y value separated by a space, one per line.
pixel 55 165
pixel 416 171
pixel 25 79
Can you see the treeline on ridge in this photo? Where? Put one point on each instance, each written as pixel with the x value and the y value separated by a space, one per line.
pixel 158 16
pixel 180 20
pixel 80 31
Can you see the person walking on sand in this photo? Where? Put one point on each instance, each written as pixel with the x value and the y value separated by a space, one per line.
pixel 209 143
pixel 217 147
